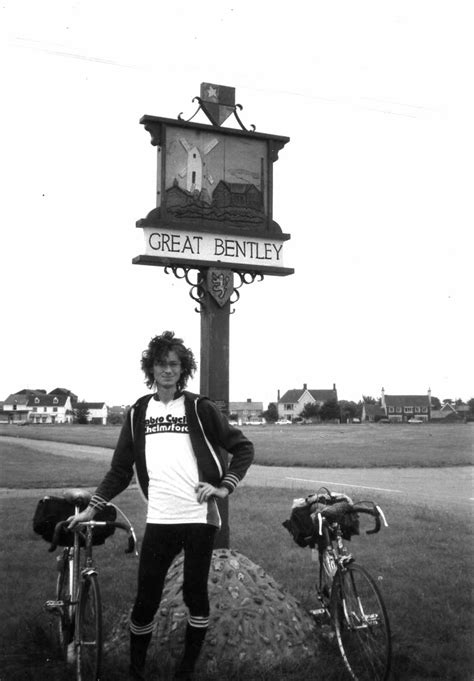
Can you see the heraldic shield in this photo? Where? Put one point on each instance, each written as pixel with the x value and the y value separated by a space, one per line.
pixel 220 284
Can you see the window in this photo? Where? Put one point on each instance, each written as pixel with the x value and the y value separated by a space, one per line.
pixel 45 408
pixel 399 410
pixel 55 400
pixel 391 410
pixel 37 400
pixel 425 410
pixel 408 410
pixel 35 408
pixel 55 409
pixel 289 407
pixel 417 410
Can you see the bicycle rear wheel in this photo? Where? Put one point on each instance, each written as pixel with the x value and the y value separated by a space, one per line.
pixel 361 624
pixel 89 630
pixel 63 598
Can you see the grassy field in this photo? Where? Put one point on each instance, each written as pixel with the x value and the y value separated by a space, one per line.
pixel 333 446
pixel 428 587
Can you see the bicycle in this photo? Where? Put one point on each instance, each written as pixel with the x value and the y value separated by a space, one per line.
pixel 78 602
pixel 350 598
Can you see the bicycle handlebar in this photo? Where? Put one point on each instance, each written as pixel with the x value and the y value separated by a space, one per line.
pixel 132 540
pixel 333 514
pixel 372 512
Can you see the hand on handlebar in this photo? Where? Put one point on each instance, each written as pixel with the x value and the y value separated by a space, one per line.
pixel 85 515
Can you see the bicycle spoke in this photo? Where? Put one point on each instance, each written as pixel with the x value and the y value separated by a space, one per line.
pixel 89 631
pixel 63 600
pixel 361 624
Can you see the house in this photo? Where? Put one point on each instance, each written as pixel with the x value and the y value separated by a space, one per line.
pixel 65 391
pixel 50 408
pixel 97 412
pixel 372 412
pixel 116 414
pixel 292 403
pixel 3 414
pixel 450 413
pixel 237 195
pixel 401 408
pixel 245 411
pixel 15 406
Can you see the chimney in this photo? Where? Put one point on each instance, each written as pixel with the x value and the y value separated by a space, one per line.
pixel 249 399
pixel 278 395
pixel 305 386
pixel 334 387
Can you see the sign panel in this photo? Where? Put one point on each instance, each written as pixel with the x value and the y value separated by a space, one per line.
pixel 231 250
pixel 214 196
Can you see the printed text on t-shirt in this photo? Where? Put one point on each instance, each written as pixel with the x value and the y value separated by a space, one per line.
pixel 166 424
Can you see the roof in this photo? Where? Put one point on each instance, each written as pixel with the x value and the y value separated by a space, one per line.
pixel 22 396
pixel 17 398
pixel 62 391
pixel 294 395
pixel 240 406
pixel 407 400
pixel 93 405
pixel 47 400
pixel 28 391
pixel 237 187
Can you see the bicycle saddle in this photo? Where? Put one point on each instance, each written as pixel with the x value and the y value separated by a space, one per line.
pixel 79 497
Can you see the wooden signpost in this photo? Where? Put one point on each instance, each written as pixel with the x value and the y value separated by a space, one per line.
pixel 213 220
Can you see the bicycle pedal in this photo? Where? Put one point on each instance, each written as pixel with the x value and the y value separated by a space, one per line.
pixel 53 606
pixel 317 612
pixel 71 653
pixel 327 632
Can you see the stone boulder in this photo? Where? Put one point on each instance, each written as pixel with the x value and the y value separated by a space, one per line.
pixel 253 621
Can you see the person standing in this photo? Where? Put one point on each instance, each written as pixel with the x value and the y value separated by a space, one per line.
pixel 173 439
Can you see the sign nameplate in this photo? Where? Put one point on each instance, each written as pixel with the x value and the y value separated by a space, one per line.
pixel 220 248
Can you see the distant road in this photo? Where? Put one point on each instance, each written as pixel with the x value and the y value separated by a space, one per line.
pixel 437 487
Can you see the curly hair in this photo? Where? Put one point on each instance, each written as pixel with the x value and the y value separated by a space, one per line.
pixel 158 348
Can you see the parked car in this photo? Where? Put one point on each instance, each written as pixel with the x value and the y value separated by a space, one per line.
pixel 283 422
pixel 414 420
pixel 255 422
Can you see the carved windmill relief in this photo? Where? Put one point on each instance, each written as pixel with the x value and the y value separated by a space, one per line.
pixel 194 172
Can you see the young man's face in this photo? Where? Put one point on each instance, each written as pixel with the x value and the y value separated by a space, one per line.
pixel 167 371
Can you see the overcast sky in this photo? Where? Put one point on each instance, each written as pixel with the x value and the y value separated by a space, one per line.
pixel 375 188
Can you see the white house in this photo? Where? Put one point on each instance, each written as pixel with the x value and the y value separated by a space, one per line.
pixel 292 403
pixel 49 409
pixel 97 412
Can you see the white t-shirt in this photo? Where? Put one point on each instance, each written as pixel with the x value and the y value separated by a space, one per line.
pixel 172 468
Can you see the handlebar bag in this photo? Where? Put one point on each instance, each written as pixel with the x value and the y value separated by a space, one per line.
pixel 300 525
pixel 52 510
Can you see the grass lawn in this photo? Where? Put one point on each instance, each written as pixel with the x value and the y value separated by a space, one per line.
pixel 333 446
pixel 427 588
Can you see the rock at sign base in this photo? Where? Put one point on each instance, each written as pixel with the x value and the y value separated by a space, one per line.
pixel 253 621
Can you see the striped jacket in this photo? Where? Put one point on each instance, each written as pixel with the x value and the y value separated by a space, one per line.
pixel 211 438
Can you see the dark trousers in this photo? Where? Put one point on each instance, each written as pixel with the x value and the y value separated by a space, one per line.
pixel 161 544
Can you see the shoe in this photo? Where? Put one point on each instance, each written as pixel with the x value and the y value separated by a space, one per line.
pixel 135 675
pixel 183 675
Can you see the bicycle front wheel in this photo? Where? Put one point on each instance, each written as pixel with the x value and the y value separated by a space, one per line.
pixel 361 624
pixel 64 600
pixel 89 630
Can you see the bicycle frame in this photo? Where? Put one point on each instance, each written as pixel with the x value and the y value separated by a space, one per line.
pixel 352 606
pixel 78 599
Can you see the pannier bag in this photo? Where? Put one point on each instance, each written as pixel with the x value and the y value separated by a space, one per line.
pixel 303 524
pixel 51 510
pixel 300 524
